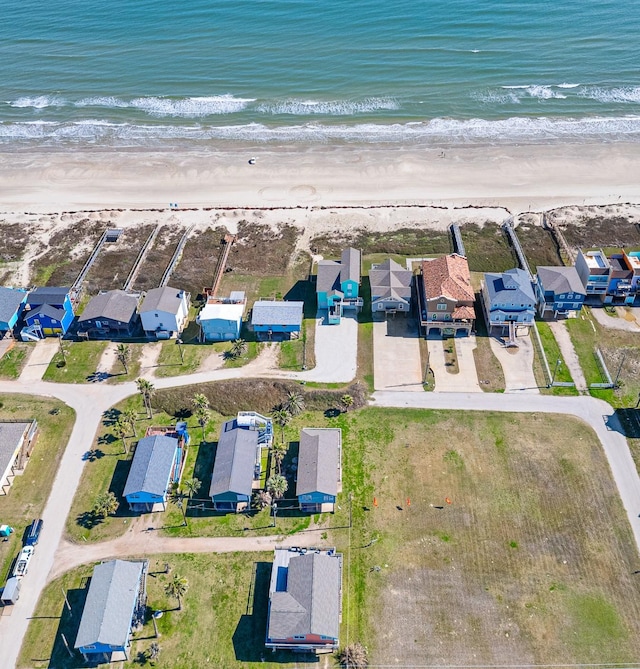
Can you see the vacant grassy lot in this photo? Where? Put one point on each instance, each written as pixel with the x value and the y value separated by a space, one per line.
pixel 538 244
pixel 487 248
pixel 82 360
pixel 489 369
pixel 117 373
pixel 193 355
pixel 602 229
pixel 14 360
pixel 28 492
pixel 157 258
pixel 553 354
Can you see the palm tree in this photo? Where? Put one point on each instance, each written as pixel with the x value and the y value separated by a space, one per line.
pixel 200 401
pixel 282 417
pixel 106 503
pixel 123 353
pixel 277 486
pixel 146 389
pixel 178 497
pixel 192 486
pixel 121 428
pixel 262 499
pixel 131 416
pixel 346 401
pixel 238 348
pixel 279 451
pixel 177 587
pixel 294 403
pixel 353 656
pixel 203 416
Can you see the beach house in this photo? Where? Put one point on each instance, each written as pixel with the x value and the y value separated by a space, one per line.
pixel 17 439
pixel 390 288
pixel 12 302
pixel 319 473
pixel 305 600
pixel 338 285
pixel 110 315
pixel 446 296
pixel 48 312
pixel 508 302
pixel 116 600
pixel 221 317
pixel 560 291
pixel 164 312
pixel 613 279
pixel 274 320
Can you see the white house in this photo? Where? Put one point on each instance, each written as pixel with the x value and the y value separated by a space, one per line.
pixel 165 312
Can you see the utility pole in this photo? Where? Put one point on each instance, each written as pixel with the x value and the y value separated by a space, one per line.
pixel 274 508
pixel 555 371
pixel 624 356
pixel 179 342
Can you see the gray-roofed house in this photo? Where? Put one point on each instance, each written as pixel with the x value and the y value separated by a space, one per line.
pixel 164 312
pixel 560 290
pixel 110 314
pixel 236 470
pixel 11 304
pixel 509 302
pixel 156 464
pixel 277 320
pixel 16 443
pixel 319 474
pixel 305 600
pixel 48 312
pixel 338 284
pixel 115 600
pixel 390 287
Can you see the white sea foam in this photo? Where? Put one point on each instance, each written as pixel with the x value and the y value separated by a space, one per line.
pixel 539 91
pixel 622 94
pixel 38 102
pixel 328 107
pixel 193 107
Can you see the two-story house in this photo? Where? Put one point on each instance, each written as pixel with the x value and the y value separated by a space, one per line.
pixel 165 312
pixel 319 474
pixel 509 302
pixel 446 296
pixel 48 312
pixel 613 279
pixel 560 291
pixel 338 285
pixel 390 288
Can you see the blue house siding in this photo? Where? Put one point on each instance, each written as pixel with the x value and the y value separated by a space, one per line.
pixel 42 313
pixel 350 289
pixel 220 330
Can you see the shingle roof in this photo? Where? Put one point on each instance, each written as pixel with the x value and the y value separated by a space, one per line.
pixel 318 461
pixel 390 280
pixel 163 299
pixel 561 280
pixel 10 301
pixel 152 465
pixel 114 304
pixel 235 460
pixel 11 436
pixel 47 310
pixel 48 295
pixel 447 276
pixel 350 265
pixel 311 602
pixel 328 278
pixel 111 601
pixel 513 286
pixel 272 312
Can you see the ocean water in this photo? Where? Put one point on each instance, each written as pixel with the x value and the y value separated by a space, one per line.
pixel 160 72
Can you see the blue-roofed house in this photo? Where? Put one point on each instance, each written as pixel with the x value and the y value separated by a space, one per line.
pixel 12 302
pixel 156 465
pixel 509 302
pixel 338 284
pixel 48 312
pixel 116 599
pixel 319 474
pixel 277 320
pixel 560 290
pixel 221 317
pixel 305 600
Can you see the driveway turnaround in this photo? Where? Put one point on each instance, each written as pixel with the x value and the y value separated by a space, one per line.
pixel 517 365
pixel 569 354
pixel 396 355
pixel 466 380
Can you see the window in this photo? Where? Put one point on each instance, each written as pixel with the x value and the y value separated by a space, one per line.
pixel 380 306
pixel 442 307
pixel 434 317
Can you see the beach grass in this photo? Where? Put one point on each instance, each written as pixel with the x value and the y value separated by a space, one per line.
pixel 14 360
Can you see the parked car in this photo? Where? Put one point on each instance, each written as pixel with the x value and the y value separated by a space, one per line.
pixel 33 533
pixel 22 563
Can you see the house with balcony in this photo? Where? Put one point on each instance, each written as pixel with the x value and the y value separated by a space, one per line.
pixel 446 296
pixel 338 285
pixel 48 312
pixel 110 315
pixel 390 288
pixel 509 302
pixel 221 317
pixel 164 312
pixel 610 279
pixel 277 320
pixel 560 291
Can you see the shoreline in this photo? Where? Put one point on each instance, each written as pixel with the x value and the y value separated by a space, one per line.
pixel 517 178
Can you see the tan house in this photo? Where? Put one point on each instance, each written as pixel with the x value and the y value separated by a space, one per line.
pixel 446 296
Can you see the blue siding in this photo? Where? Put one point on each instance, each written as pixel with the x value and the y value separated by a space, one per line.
pixel 145 498
pixel 219 329
pixel 316 498
pixel 277 328
pixel 350 288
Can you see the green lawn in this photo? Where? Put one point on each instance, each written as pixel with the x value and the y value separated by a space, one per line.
pixel 29 491
pixel 117 371
pixel 553 354
pixel 253 350
pixel 14 360
pixel 170 363
pixel 585 341
pixel 82 360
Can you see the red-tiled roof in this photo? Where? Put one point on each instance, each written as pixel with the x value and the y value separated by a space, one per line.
pixel 463 312
pixel 448 276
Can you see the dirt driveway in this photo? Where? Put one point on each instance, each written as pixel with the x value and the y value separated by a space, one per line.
pixel 396 355
pixel 517 365
pixel 569 354
pixel 466 380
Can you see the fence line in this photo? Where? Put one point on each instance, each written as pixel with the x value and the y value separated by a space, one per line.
pixel 603 370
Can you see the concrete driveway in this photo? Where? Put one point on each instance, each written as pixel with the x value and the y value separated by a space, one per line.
pixel 466 380
pixel 517 365
pixel 41 356
pixel 396 355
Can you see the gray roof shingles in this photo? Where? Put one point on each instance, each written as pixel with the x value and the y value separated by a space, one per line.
pixel 389 280
pixel 235 461
pixel 10 301
pixel 561 280
pixel 328 277
pixel 115 305
pixel 48 295
pixel 151 466
pixel 350 262
pixel 11 435
pixel 311 602
pixel 163 299
pixel 111 601
pixel 521 292
pixel 318 461
pixel 272 312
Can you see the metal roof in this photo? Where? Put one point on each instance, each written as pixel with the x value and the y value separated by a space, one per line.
pixel 10 301
pixel 226 311
pixel 310 601
pixel 110 604
pixel 152 465
pixel 48 295
pixel 319 461
pixel 272 312
pixel 163 299
pixel 561 280
pixel 114 304
pixel 390 280
pixel 512 287
pixel 235 460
